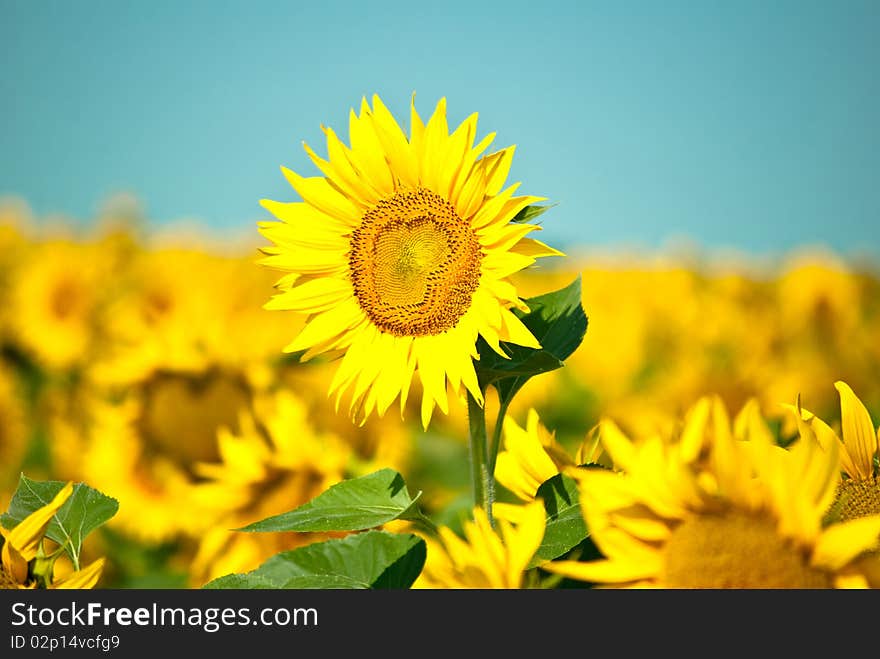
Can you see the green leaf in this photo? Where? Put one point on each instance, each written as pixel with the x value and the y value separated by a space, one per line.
pixel 238 582
pixel 559 323
pixel 565 524
pixel 82 513
pixel 352 505
pixel 373 559
pixel 529 213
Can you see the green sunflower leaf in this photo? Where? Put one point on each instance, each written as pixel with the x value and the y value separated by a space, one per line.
pixel 247 581
pixel 82 513
pixel 529 213
pixel 352 505
pixel 558 322
pixel 369 560
pixel 565 524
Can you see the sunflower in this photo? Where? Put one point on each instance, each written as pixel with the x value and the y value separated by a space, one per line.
pixel 14 216
pixel 180 367
pixel 57 293
pixel 485 558
pixel 216 320
pixel 275 463
pixel 693 434
pixel 144 449
pixel 750 516
pixel 859 491
pixel 400 255
pixel 23 548
pixel 13 430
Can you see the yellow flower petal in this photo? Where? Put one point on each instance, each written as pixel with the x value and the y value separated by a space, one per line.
pixel 617 445
pixel 858 432
pixel 318 192
pixel 841 543
pixel 87 577
pixel 534 248
pixel 13 563
pixel 523 542
pixel 608 571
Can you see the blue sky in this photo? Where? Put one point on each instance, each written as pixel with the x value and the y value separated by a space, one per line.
pixel 746 125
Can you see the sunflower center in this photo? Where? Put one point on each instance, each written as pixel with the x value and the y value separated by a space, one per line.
pixel 736 550
pixel 7 581
pixel 182 414
pixel 65 300
pixel 414 264
pixel 858 498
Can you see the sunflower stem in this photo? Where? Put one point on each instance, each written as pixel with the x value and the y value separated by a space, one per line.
pixel 496 434
pixel 481 476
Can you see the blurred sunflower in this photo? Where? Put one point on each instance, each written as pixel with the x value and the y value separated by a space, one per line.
pixel 56 296
pixel 749 517
pixel 858 493
pixel 693 434
pixel 24 562
pixel 485 558
pixel 13 217
pixel 818 295
pixel 175 375
pixel 144 449
pixel 275 463
pixel 13 431
pixel 156 324
pixel 378 442
pixel 401 255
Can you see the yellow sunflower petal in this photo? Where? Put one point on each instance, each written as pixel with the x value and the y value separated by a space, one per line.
pixel 617 445
pixel 327 324
pixel 400 154
pixel 13 563
pixel 347 169
pixel 457 150
pixel 366 148
pixel 812 428
pixel 858 432
pixel 841 543
pixel 470 183
pixel 312 296
pixel 692 434
pixel 522 543
pixel 87 577
pixel 604 571
pixel 534 248
pixel 340 171
pixel 318 192
pixel 499 169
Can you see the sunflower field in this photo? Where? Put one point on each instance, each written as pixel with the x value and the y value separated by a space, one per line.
pixel 391 382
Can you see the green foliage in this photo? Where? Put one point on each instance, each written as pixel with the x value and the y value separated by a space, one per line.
pixel 529 213
pixel 82 513
pixel 352 505
pixel 565 524
pixel 139 565
pixel 371 560
pixel 559 323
